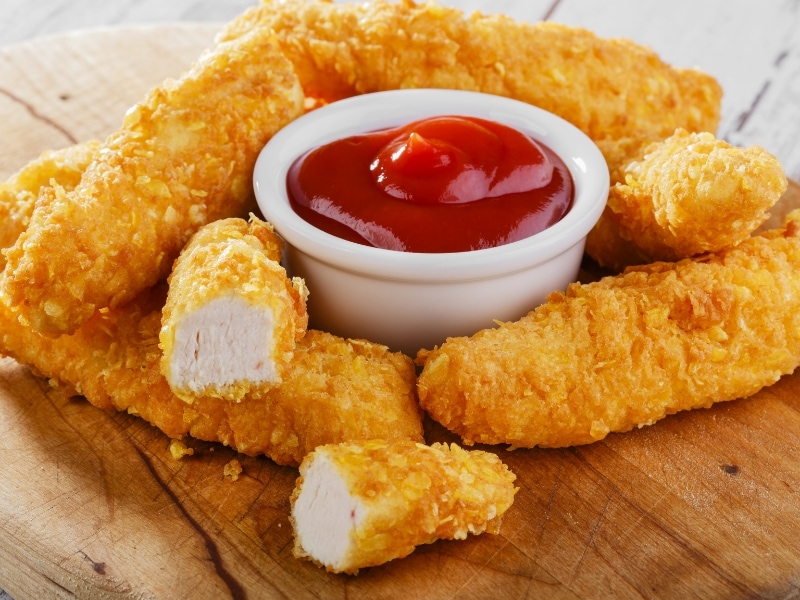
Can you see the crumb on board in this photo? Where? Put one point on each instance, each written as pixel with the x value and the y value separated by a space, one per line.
pixel 232 469
pixel 179 449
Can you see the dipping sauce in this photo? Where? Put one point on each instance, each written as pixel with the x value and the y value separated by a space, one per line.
pixel 443 184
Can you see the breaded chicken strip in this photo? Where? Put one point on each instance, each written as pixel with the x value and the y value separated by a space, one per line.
pixel 364 504
pixel 627 350
pixel 608 88
pixel 690 193
pixel 337 390
pixel 182 158
pixel 232 315
pixel 19 193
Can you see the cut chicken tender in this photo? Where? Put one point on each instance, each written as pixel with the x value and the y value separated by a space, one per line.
pixel 690 194
pixel 19 193
pixel 337 390
pixel 182 158
pixel 232 315
pixel 609 88
pixel 361 505
pixel 627 350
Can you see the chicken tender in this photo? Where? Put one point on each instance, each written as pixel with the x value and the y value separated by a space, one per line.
pixel 609 88
pixel 232 315
pixel 361 505
pixel 18 195
pixel 336 391
pixel 627 350
pixel 182 158
pixel 690 193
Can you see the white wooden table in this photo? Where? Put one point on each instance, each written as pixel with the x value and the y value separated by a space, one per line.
pixel 751 47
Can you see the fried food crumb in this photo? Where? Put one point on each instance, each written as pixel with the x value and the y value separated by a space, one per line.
pixel 179 449
pixel 233 469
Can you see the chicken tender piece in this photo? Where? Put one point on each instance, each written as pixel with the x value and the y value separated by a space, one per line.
pixel 609 88
pixel 18 195
pixel 627 350
pixel 232 315
pixel 337 390
pixel 182 158
pixel 688 195
pixel 361 505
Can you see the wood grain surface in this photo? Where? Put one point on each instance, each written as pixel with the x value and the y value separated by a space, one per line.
pixel 92 505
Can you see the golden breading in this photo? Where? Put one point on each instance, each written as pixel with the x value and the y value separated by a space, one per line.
pixel 608 88
pixel 232 315
pixel 18 195
pixel 627 350
pixel 183 157
pixel 337 390
pixel 620 152
pixel 690 193
pixel 361 505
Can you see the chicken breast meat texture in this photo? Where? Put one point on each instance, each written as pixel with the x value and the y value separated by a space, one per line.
pixel 363 504
pixel 337 390
pixel 232 315
pixel 182 158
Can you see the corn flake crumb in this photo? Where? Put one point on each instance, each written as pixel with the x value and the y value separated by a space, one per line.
pixel 232 469
pixel 178 449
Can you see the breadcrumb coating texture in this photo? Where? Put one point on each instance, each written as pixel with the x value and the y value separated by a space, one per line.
pixel 19 193
pixel 411 494
pixel 338 390
pixel 689 194
pixel 231 259
pixel 344 49
pixel 627 350
pixel 182 158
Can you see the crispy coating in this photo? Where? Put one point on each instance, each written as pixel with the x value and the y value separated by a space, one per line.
pixel 620 152
pixel 689 194
pixel 364 504
pixel 182 158
pixel 232 315
pixel 627 350
pixel 337 390
pixel 18 194
pixel 619 93
pixel 609 88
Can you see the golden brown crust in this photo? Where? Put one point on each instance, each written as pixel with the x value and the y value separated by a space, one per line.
pixel 609 88
pixel 19 193
pixel 618 92
pixel 338 390
pixel 410 494
pixel 688 194
pixel 627 350
pixel 231 259
pixel 183 157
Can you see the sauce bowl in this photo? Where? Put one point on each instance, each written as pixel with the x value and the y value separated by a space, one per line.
pixel 410 301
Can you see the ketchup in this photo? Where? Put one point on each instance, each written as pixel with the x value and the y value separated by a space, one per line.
pixel 444 184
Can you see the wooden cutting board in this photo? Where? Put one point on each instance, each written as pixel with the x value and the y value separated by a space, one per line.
pixel 702 504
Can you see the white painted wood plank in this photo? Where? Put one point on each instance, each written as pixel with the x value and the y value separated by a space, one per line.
pixel 25 19
pixel 751 47
pixel 773 116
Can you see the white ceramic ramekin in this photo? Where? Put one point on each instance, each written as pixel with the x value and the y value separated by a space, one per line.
pixel 409 300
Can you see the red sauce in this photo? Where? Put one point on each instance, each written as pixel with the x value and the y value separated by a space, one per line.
pixel 445 184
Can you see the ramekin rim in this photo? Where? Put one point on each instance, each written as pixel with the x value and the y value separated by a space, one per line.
pixel 585 162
